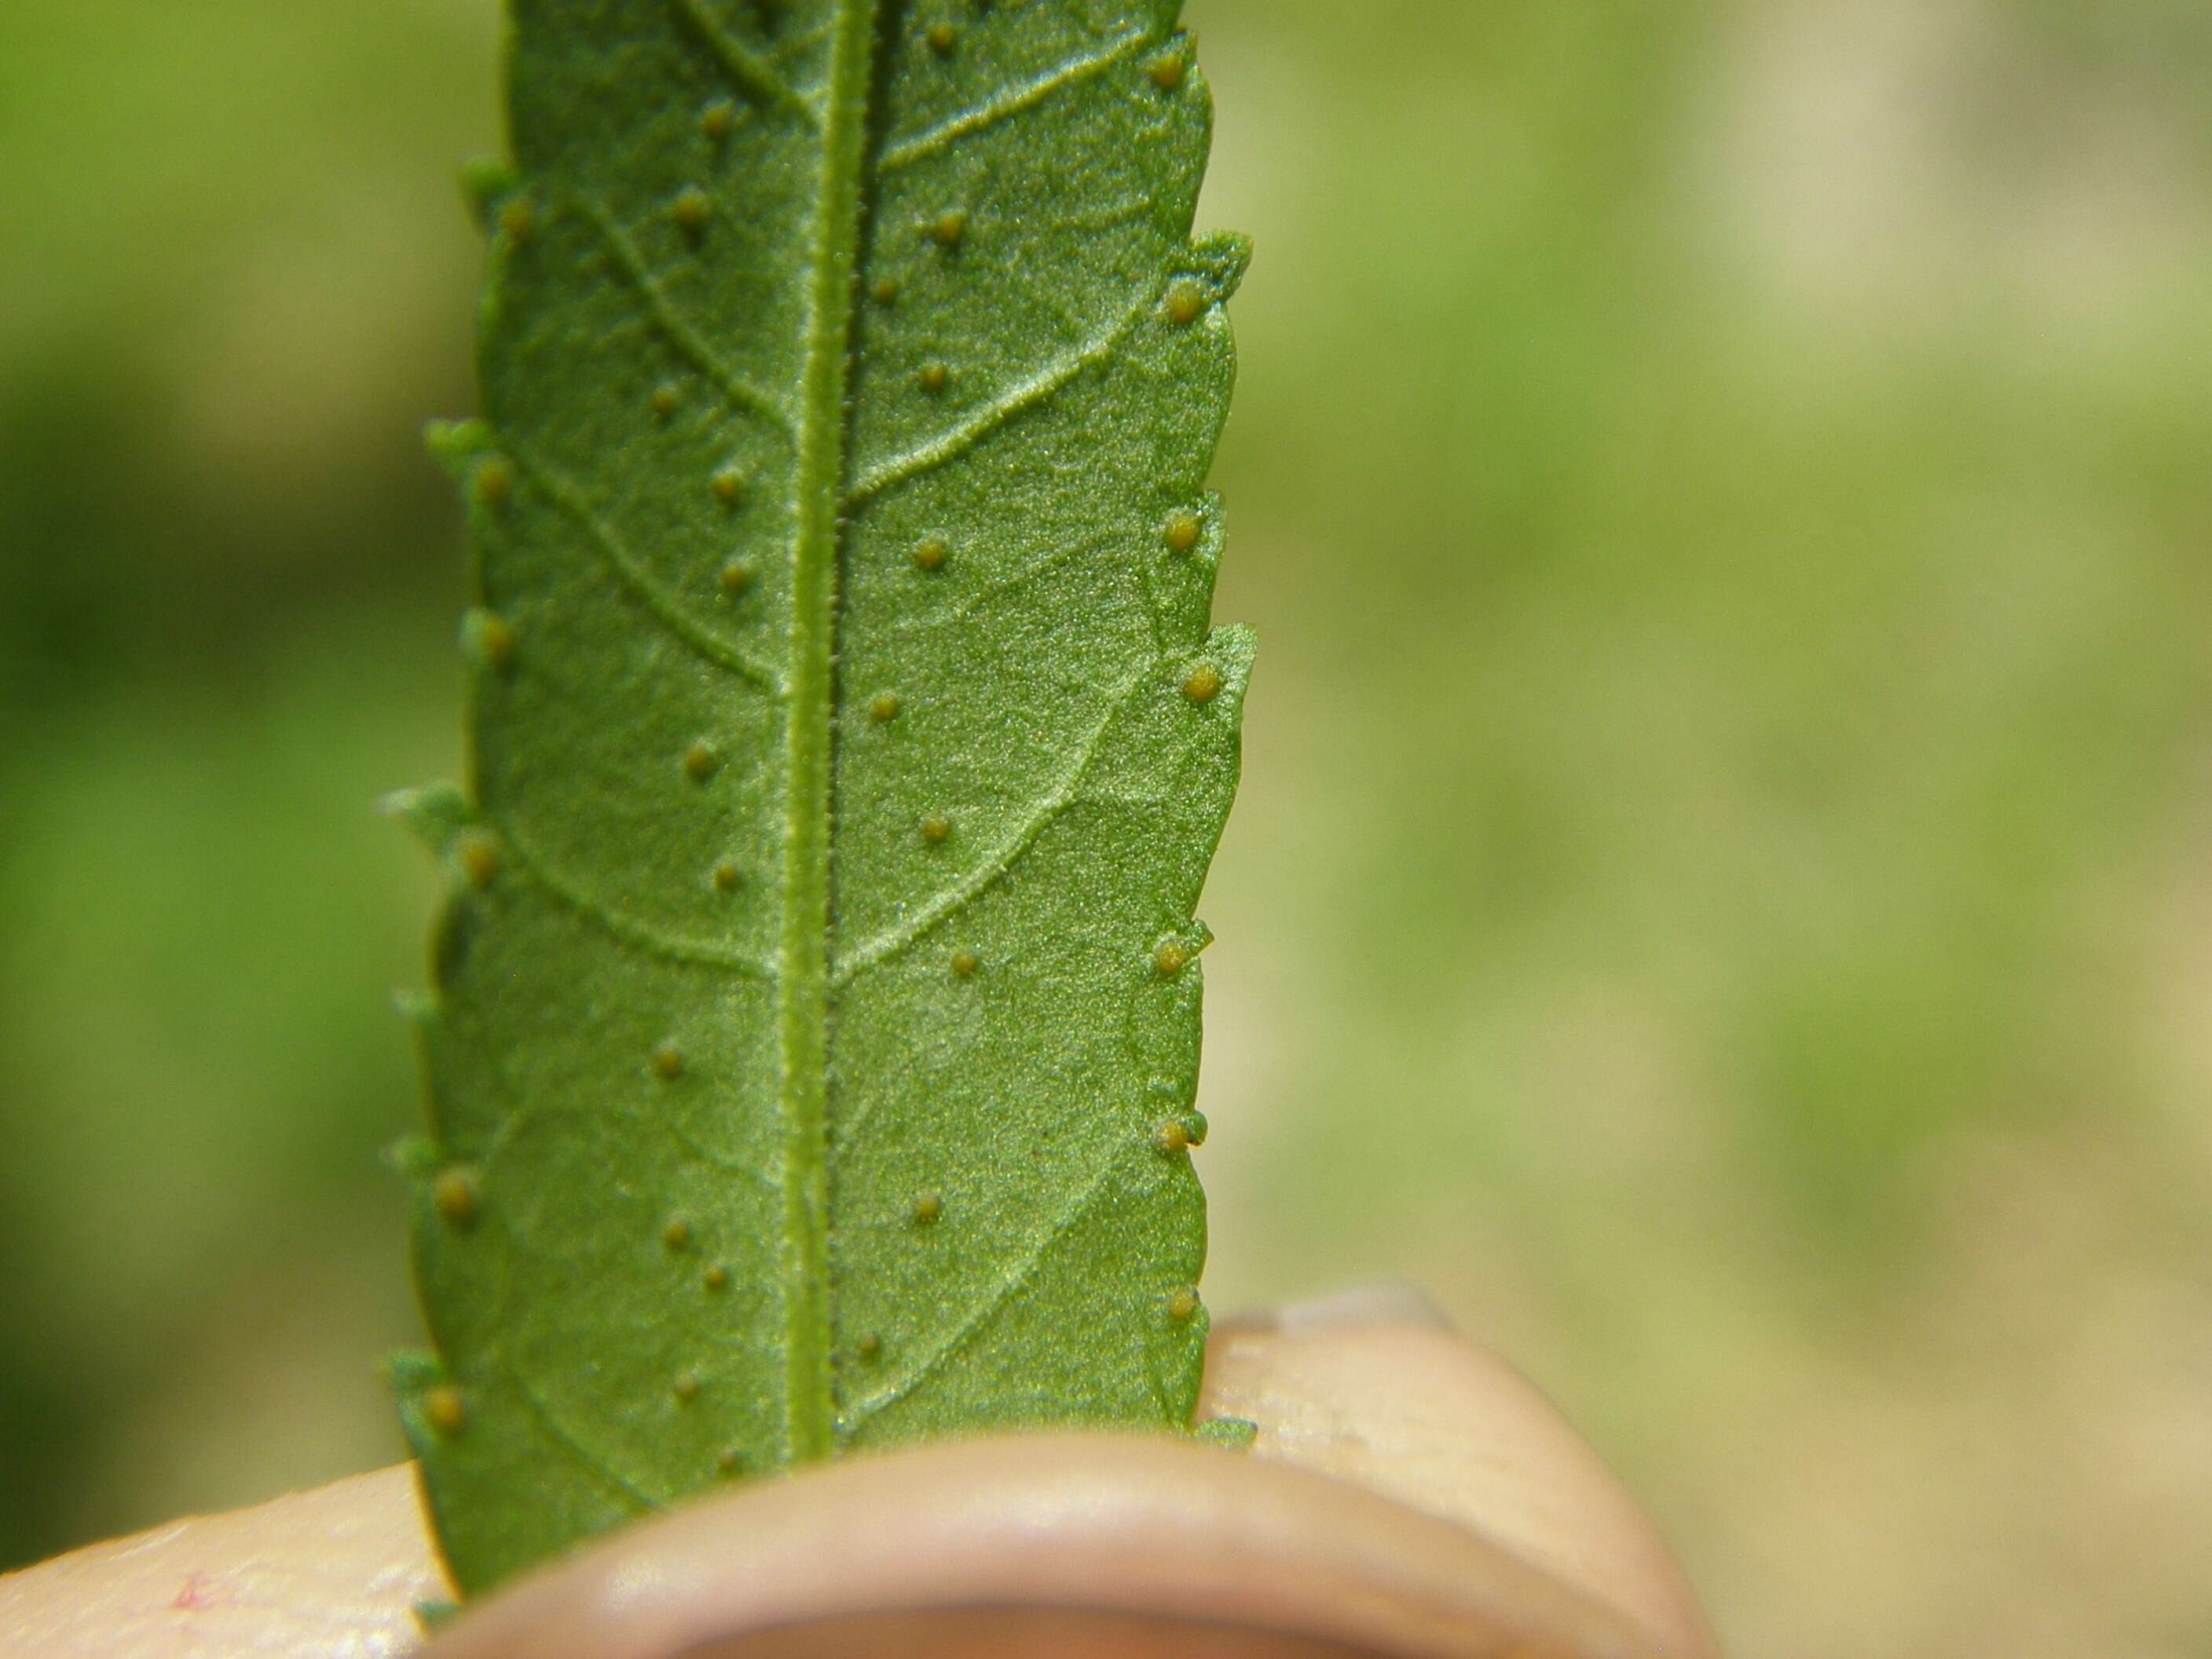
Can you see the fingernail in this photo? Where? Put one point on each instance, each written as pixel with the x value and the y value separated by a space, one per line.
pixel 1121 1537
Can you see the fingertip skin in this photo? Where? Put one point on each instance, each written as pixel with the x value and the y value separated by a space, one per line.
pixel 1408 1495
pixel 334 1573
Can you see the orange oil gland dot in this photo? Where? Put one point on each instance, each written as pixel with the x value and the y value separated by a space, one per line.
pixel 1183 1304
pixel 667 397
pixel 931 552
pixel 444 1409
pixel 927 1207
pixel 884 706
pixel 715 1278
pixel 489 640
pixel 454 1196
pixel 964 963
pixel 1168 71
pixel 729 1462
pixel 1170 1137
pixel 698 762
pixel 667 1062
pixel 884 290
pixel 493 482
pixel 690 211
pixel 1182 530
pixel 518 219
pixel 725 876
pixel 942 38
pixel 718 118
pixel 1203 683
pixel 1169 958
pixel 685 1387
pixel 728 485
pixel 870 1347
pixel 736 577
pixel 676 1235
pixel 949 226
pixel 935 377
pixel 477 854
pixel 1186 301
pixel 935 828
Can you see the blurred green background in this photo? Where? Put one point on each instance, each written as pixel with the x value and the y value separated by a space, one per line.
pixel 1723 893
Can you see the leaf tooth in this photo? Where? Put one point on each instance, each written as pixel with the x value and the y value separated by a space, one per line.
pixel 485 181
pixel 1175 951
pixel 1222 257
pixel 418 1007
pixel 413 1158
pixel 432 1409
pixel 436 812
pixel 457 444
pixel 410 1370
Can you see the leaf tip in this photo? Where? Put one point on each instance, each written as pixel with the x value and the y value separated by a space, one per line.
pixel 1229 1433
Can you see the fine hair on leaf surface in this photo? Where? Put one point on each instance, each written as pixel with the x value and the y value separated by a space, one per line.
pixel 812 1040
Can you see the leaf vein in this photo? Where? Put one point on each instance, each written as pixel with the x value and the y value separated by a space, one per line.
pixel 640 935
pixel 1064 792
pixel 972 1325
pixel 1014 100
pixel 567 1443
pixel 747 70
pixel 702 642
pixel 1039 388
pixel 680 332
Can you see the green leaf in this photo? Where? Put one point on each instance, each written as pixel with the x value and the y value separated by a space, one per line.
pixel 815 1031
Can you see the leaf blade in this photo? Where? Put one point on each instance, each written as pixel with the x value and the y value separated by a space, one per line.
pixel 848 762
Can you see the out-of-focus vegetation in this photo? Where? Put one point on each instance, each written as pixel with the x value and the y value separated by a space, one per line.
pixel 1723 888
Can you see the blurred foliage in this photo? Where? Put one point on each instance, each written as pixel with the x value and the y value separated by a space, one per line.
pixel 1724 888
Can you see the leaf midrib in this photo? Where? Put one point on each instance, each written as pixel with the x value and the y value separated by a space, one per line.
pixel 802 953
